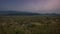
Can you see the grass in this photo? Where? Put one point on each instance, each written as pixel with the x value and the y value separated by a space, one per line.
pixel 29 25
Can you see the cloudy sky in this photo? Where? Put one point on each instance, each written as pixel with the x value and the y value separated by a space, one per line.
pixel 40 6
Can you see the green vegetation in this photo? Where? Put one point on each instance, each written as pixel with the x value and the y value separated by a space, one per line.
pixel 29 25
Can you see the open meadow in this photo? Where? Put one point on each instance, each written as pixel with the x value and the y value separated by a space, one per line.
pixel 29 24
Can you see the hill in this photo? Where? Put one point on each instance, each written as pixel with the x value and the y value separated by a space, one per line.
pixel 17 13
pixel 26 13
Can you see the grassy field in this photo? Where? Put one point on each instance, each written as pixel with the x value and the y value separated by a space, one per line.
pixel 29 24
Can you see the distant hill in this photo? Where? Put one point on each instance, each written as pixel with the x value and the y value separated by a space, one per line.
pixel 17 13
pixel 26 13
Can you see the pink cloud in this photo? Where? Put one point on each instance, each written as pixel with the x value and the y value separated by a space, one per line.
pixel 44 5
pixel 51 5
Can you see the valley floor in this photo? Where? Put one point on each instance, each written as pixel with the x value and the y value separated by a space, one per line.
pixel 29 24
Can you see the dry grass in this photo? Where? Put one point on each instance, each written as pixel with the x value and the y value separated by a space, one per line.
pixel 29 25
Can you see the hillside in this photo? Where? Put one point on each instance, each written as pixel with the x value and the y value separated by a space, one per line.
pixel 17 13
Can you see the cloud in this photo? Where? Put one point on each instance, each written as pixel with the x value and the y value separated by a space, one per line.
pixel 51 5
pixel 42 6
pixel 47 6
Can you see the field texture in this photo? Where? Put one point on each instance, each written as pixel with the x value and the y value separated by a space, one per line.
pixel 29 24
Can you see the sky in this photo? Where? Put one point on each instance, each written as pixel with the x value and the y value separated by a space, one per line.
pixel 39 6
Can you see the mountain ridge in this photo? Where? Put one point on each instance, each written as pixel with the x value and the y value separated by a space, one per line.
pixel 17 13
pixel 25 13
